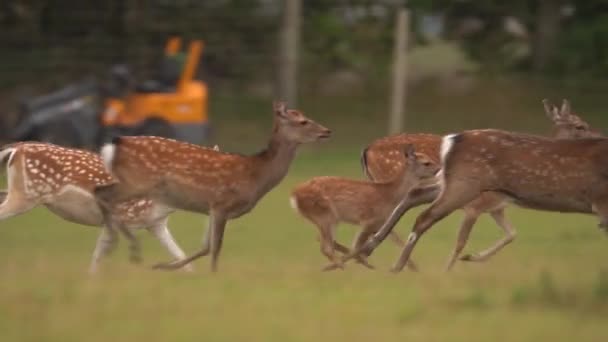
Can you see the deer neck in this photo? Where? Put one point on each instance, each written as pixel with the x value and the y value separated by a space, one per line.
pixel 399 187
pixel 272 164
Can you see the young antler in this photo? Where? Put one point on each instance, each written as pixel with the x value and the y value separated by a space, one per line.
pixel 223 185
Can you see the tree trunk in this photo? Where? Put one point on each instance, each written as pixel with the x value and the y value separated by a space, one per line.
pixel 545 40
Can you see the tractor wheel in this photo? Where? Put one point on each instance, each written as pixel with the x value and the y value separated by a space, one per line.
pixel 60 133
pixel 155 126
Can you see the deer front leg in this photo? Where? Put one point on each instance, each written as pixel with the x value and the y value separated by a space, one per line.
pixel 162 233
pixel 217 239
pixel 455 195
pixel 499 217
pixel 413 199
pixel 205 249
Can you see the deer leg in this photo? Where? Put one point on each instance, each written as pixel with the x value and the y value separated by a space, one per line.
pixel 14 205
pixel 413 199
pixel 455 195
pixel 327 247
pixel 499 217
pixel 360 239
pixel 396 239
pixel 217 239
pixel 601 208
pixel 162 233
pixel 463 236
pixel 134 248
pixel 105 244
pixel 205 249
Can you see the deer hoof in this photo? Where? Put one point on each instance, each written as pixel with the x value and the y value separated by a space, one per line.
pixel 395 269
pixel 332 267
pixel 166 266
pixel 467 257
pixel 366 265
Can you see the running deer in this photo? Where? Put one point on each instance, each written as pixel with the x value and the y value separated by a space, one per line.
pixel 63 180
pixel 563 175
pixel 326 201
pixel 379 159
pixel 223 185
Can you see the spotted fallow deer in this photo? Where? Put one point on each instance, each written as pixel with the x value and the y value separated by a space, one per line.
pixel 327 201
pixel 63 180
pixel 381 160
pixel 562 175
pixel 222 185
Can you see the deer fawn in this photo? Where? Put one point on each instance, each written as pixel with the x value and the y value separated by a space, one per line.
pixel 223 185
pixel 378 163
pixel 326 201
pixel 63 180
pixel 564 175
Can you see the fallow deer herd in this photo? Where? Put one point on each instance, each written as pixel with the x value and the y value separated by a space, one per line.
pixel 137 182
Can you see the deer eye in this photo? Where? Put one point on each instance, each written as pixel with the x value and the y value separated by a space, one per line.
pixel 303 122
pixel 580 128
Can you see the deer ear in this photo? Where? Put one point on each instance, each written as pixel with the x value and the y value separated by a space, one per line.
pixel 410 153
pixel 550 110
pixel 279 108
pixel 565 111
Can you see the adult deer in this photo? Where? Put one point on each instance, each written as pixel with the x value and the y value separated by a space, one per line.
pixel 63 180
pixel 222 185
pixel 378 161
pixel 327 201
pixel 563 175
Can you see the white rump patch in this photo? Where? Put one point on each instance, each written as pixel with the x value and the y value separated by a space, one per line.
pixel 446 146
pixel 108 151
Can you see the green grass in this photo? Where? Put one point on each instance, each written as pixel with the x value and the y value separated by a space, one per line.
pixel 550 284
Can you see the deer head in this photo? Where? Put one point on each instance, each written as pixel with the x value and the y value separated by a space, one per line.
pixel 567 125
pixel 419 164
pixel 293 126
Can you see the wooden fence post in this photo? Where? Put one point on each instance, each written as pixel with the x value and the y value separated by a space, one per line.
pixel 399 88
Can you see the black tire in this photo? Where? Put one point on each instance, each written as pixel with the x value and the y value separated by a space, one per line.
pixel 155 126
pixel 59 133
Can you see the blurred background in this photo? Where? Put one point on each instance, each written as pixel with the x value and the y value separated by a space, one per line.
pixel 76 72
pixel 110 67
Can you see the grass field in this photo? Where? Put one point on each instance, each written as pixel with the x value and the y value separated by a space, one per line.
pixel 551 284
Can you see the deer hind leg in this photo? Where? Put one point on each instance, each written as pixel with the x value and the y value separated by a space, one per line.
pixel 359 240
pixel 499 217
pixel 134 247
pixel 463 235
pixel 15 201
pixel 455 195
pixel 106 242
pixel 327 241
pixel 205 249
pixel 162 233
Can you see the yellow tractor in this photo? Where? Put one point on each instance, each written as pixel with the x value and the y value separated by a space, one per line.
pixel 172 104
